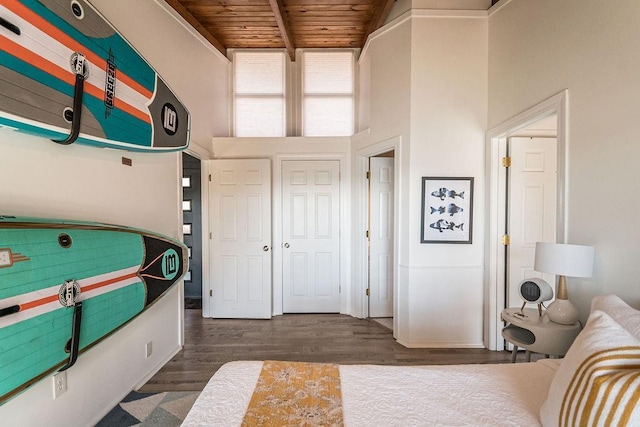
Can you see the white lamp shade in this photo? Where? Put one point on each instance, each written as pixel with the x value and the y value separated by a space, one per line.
pixel 564 259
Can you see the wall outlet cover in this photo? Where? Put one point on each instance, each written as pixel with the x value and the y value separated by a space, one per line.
pixel 59 384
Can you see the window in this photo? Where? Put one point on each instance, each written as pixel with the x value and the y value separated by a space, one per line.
pixel 328 95
pixel 259 98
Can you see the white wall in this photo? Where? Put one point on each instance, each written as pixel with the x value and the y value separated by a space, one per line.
pixel 428 85
pixel 537 49
pixel 43 179
pixel 448 123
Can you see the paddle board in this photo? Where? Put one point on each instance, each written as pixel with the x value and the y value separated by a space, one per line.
pixel 58 57
pixel 66 285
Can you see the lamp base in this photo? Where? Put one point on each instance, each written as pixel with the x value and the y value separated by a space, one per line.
pixel 563 312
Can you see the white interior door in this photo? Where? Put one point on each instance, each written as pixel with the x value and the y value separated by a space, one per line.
pixel 240 194
pixel 311 236
pixel 381 237
pixel 532 208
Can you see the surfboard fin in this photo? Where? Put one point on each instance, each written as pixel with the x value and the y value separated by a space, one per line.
pixel 74 342
pixel 77 103
pixel 9 26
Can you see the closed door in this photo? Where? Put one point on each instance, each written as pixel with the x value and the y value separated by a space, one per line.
pixel 311 236
pixel 532 208
pixel 240 194
pixel 381 237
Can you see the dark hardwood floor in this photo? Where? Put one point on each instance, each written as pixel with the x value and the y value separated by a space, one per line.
pixel 334 338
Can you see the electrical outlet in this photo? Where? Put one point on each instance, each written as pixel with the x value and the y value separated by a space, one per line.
pixel 148 349
pixel 59 384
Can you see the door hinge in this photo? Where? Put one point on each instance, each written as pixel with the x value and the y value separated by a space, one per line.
pixel 367 234
pixel 209 177
pixel 368 175
pixel 210 292
pixel 506 162
pixel 210 236
pixel 367 292
pixel 506 240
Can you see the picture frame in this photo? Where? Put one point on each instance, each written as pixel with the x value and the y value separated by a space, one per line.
pixel 447 210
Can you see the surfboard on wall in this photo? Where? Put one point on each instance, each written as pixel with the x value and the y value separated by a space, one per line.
pixel 61 56
pixel 66 285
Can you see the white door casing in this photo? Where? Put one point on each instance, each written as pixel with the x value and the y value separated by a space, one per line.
pixel 381 205
pixel 311 236
pixel 495 260
pixel 240 194
pixel 531 208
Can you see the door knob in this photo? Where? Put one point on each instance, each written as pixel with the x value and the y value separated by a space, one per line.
pixel 286 245
pixel 265 248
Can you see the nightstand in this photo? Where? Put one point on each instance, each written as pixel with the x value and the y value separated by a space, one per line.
pixel 527 329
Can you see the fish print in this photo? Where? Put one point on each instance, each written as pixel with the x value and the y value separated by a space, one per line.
pixel 440 210
pixel 442 224
pixel 444 192
pixel 453 209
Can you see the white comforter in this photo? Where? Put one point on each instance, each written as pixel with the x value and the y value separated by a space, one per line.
pixel 451 395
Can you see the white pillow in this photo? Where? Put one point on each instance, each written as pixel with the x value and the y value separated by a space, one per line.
pixel 597 382
pixel 621 312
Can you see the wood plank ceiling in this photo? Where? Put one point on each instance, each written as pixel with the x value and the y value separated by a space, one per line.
pixel 284 24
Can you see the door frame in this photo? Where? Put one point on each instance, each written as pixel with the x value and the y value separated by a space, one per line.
pixel 495 149
pixel 361 221
pixel 202 155
pixel 276 226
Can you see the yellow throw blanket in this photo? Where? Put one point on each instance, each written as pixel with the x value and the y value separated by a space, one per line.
pixel 296 394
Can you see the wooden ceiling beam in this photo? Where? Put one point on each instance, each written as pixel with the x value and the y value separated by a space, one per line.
pixel 278 12
pixel 178 7
pixel 380 14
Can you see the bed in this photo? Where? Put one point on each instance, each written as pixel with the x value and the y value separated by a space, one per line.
pixel 526 394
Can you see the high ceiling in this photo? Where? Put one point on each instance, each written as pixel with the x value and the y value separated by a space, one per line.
pixel 285 24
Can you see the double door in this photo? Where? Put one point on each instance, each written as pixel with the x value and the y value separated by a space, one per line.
pixel 241 240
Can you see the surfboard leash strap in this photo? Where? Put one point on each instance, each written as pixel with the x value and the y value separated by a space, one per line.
pixel 78 92
pixel 74 342
pixel 9 26
pixel 9 310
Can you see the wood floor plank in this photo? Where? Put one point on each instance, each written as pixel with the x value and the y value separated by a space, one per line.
pixel 330 338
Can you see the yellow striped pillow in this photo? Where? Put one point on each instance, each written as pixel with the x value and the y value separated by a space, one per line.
pixel 604 390
pixel 598 381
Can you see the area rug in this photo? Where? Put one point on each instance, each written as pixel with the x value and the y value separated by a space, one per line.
pixel 167 409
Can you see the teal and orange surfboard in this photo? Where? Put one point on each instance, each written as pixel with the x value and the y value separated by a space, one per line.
pixel 61 57
pixel 66 285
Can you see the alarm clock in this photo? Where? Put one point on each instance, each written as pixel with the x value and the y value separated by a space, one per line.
pixel 535 291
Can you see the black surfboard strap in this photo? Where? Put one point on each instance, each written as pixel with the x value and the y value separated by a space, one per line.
pixel 74 342
pixel 9 26
pixel 9 310
pixel 77 102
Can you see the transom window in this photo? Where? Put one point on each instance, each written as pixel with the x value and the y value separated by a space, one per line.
pixel 259 93
pixel 328 98
pixel 320 100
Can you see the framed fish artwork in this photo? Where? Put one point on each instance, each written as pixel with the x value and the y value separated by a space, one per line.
pixel 447 210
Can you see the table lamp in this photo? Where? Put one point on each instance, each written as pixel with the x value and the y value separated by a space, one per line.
pixel 563 260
